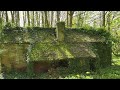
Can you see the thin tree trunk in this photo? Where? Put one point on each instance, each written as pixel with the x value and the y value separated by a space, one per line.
pixel 6 14
pixel 78 19
pixel 17 18
pixel 38 19
pixel 103 18
pixel 100 19
pixel 58 16
pixel 28 17
pixel 71 16
pixel 52 18
pixel 43 23
pixel 67 18
pixel 1 18
pixel 12 16
pixel 46 19
pixel 109 21
pixel 33 19
pixel 24 18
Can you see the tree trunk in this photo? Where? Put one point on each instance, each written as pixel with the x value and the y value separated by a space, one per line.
pixel 103 18
pixel 67 19
pixel 38 19
pixel 70 18
pixel 43 23
pixel 52 18
pixel 17 19
pixel 12 16
pixel 100 17
pixel 28 17
pixel 6 15
pixel 1 18
pixel 58 16
pixel 109 21
pixel 46 19
pixel 78 19
pixel 0 21
pixel 24 18
pixel 33 19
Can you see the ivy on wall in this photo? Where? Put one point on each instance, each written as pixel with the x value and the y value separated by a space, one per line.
pixel 44 40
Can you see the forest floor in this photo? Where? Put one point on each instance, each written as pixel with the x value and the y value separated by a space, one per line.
pixel 112 72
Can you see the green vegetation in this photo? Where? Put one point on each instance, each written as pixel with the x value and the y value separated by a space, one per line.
pixel 36 41
pixel 47 49
pixel 111 72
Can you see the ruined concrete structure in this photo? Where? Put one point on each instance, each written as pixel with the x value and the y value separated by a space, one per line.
pixel 21 48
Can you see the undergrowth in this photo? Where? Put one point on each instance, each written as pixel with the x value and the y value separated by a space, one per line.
pixel 112 72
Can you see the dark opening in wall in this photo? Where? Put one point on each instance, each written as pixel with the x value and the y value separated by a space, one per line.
pixel 92 64
pixel 41 66
pixel 59 63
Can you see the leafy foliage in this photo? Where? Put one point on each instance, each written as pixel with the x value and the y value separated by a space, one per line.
pixel 116 44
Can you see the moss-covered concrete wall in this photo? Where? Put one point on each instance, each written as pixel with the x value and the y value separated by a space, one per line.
pixel 46 45
pixel 104 53
pixel 13 57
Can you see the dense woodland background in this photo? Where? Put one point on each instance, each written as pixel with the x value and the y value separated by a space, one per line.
pixel 49 18
pixel 109 20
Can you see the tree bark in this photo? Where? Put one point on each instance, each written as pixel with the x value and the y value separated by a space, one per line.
pixel 58 16
pixel 109 21
pixel 1 18
pixel 43 23
pixel 24 18
pixel 52 18
pixel 38 19
pixel 70 17
pixel 103 18
pixel 67 18
pixel 33 19
pixel 6 15
pixel 78 19
pixel 17 19
pixel 12 16
pixel 46 19
pixel 28 17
